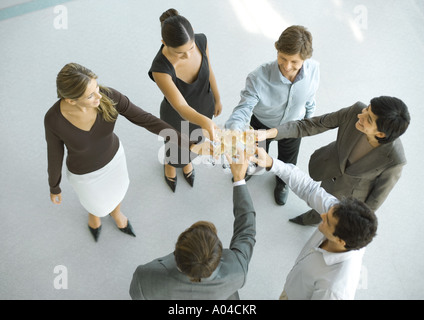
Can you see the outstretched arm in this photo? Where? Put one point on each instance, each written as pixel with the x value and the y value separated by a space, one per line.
pixel 312 126
pixel 299 182
pixel 214 87
pixel 244 233
pixel 179 103
pixel 249 98
pixel 155 125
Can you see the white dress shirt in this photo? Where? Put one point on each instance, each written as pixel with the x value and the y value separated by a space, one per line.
pixel 317 273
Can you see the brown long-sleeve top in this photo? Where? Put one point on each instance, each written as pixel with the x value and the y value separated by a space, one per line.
pixel 91 150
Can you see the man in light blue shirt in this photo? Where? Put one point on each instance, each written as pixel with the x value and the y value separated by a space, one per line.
pixel 280 91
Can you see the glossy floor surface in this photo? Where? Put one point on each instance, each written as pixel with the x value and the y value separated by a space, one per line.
pixel 365 49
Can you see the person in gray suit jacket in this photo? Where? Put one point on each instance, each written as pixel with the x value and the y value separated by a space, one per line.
pixel 367 158
pixel 199 268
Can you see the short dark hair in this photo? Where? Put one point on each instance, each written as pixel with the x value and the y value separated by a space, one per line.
pixel 198 251
pixel 357 223
pixel 295 40
pixel 176 30
pixel 392 117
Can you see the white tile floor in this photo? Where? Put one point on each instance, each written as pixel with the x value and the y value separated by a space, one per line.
pixel 364 50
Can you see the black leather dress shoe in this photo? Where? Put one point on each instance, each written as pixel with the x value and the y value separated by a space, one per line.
pixel 281 192
pixel 171 182
pixel 95 232
pixel 189 177
pixel 309 218
pixel 128 229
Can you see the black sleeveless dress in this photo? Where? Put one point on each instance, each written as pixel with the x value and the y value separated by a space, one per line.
pixel 198 95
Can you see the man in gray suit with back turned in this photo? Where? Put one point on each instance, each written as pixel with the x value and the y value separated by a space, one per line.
pixel 199 268
pixel 367 158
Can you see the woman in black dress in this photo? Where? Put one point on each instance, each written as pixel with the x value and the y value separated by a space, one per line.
pixel 182 71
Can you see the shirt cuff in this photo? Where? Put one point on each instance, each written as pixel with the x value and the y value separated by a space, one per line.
pixel 239 183
pixel 282 170
pixel 274 167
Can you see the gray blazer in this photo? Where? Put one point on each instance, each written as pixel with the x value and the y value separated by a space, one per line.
pixel 370 179
pixel 160 278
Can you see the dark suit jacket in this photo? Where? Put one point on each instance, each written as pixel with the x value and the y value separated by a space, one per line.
pixel 370 179
pixel 160 278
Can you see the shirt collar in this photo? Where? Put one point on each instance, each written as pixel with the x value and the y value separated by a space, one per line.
pixel 276 75
pixel 331 258
pixel 170 264
pixel 214 273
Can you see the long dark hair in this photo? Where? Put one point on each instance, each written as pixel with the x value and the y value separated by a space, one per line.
pixel 176 30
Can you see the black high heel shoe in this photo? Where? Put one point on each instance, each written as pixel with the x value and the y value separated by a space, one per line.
pixel 171 182
pixel 128 229
pixel 190 177
pixel 95 232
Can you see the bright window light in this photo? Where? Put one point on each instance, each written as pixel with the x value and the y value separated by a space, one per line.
pixel 259 17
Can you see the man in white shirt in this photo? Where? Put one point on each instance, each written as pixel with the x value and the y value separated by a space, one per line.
pixel 329 265
pixel 280 91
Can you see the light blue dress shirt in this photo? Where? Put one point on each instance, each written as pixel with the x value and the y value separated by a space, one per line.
pixel 273 99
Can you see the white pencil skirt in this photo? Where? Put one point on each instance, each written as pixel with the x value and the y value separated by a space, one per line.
pixel 101 191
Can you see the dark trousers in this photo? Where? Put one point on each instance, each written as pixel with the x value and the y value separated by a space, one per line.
pixel 288 149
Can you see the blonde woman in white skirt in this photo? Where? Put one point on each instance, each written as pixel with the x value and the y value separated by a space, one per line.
pixel 83 120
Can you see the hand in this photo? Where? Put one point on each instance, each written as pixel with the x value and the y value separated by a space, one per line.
pixel 209 128
pixel 263 160
pixel 238 166
pixel 271 133
pixel 218 108
pixel 262 135
pixel 204 148
pixel 56 198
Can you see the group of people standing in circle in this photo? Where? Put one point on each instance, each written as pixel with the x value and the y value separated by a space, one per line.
pixel 349 178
